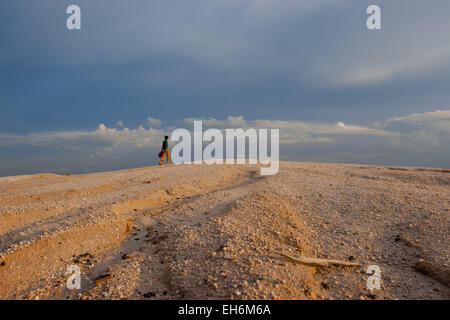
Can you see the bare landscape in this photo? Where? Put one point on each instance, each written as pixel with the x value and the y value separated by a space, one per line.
pixel 226 232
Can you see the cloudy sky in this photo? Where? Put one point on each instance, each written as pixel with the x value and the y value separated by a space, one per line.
pixel 101 97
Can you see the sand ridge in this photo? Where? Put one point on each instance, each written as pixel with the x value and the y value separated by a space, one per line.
pixel 217 231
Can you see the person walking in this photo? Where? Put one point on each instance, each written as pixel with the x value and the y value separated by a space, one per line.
pixel 165 151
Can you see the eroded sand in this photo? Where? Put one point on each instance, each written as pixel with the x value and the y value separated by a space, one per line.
pixel 210 232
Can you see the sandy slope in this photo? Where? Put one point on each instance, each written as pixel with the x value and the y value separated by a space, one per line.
pixel 211 232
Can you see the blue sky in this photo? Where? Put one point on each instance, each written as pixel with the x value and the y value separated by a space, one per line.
pixel 341 92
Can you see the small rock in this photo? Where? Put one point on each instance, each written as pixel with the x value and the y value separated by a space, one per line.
pixel 149 294
pixel 371 295
pixel 129 255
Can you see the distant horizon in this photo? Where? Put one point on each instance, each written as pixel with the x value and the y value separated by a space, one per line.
pixel 62 174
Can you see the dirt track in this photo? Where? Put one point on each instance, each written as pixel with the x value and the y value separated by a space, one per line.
pixel 199 231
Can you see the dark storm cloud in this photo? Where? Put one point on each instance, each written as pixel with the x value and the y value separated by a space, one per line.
pixel 310 60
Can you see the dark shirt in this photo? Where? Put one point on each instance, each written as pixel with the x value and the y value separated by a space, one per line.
pixel 165 144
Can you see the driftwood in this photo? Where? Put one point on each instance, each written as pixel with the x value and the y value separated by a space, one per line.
pixel 102 278
pixel 320 262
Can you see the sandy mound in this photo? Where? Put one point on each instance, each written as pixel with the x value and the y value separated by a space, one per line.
pixel 217 232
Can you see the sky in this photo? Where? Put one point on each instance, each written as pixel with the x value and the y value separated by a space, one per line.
pixel 102 98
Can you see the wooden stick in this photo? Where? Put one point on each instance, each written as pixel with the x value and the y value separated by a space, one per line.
pixel 320 262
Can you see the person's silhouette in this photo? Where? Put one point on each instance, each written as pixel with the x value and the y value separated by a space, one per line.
pixel 165 151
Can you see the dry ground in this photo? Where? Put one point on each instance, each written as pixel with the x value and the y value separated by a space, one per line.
pixel 216 232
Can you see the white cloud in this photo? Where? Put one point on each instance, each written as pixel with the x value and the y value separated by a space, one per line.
pixel 369 72
pixel 326 129
pixel 102 138
pixel 154 122
pixel 292 131
pixel 411 139
pixel 230 122
pixel 424 117
pixel 437 122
